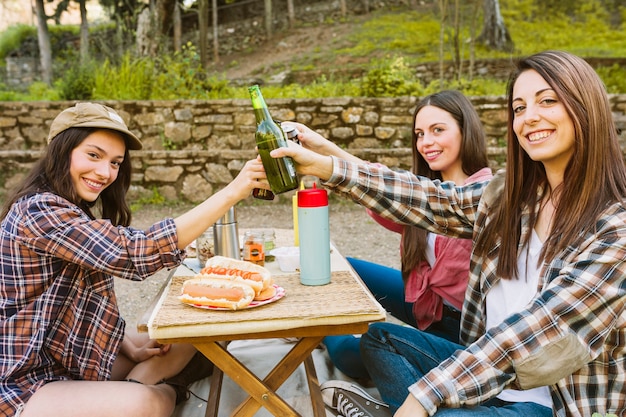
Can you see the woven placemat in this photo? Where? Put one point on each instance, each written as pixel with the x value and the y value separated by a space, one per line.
pixel 343 296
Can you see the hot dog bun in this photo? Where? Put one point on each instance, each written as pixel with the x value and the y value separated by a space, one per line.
pixel 266 294
pixel 256 276
pixel 216 293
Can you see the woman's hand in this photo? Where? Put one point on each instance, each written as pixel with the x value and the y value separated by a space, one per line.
pixel 312 140
pixel 251 176
pixel 139 347
pixel 411 408
pixel 307 162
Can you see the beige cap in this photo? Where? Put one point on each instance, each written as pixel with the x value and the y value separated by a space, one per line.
pixel 92 115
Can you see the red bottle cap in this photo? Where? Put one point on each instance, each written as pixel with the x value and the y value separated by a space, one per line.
pixel 313 197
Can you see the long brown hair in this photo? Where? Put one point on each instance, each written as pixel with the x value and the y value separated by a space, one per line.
pixel 594 178
pixel 473 156
pixel 51 174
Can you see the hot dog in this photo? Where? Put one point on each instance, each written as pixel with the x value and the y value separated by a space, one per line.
pixel 256 276
pixel 217 293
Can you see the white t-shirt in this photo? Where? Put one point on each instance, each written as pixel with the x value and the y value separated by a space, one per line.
pixel 509 296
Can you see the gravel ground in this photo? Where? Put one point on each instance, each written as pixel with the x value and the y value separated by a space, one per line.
pixel 352 231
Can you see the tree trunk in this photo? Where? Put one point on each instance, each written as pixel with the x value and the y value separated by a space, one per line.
pixel 178 30
pixel 216 42
pixel 366 6
pixel 84 33
pixel 291 13
pixel 203 31
pixel 495 34
pixel 165 17
pixel 268 19
pixel 458 62
pixel 475 13
pixel 43 38
pixel 443 6
pixel 344 9
pixel 147 41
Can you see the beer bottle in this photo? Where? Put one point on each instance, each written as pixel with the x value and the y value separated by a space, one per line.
pixel 281 172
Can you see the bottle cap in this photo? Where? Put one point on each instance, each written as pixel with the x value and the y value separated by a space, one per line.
pixel 312 197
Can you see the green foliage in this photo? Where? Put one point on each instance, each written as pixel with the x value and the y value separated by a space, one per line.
pixel 578 27
pixel 167 77
pixel 13 37
pixel 42 91
pixel 614 78
pixel 181 75
pixel 408 32
pixel 319 88
pixel 156 198
pixel 475 87
pixel 78 82
pixel 391 77
pixel 392 41
pixel 130 80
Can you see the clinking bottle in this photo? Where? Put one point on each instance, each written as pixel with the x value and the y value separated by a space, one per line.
pixel 281 172
pixel 314 233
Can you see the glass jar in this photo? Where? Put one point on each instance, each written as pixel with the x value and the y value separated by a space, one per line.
pixel 269 243
pixel 254 247
pixel 205 246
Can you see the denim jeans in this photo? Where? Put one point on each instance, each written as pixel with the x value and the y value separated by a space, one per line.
pixel 397 356
pixel 388 288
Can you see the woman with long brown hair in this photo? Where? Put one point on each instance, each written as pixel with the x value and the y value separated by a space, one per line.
pixel 543 326
pixel 65 234
pixel 448 144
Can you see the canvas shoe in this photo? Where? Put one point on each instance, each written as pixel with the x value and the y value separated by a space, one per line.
pixel 199 367
pixel 350 400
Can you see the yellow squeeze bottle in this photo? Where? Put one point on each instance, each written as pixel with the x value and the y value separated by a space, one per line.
pixel 294 211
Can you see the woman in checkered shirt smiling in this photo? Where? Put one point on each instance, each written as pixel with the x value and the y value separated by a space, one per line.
pixel 543 326
pixel 64 349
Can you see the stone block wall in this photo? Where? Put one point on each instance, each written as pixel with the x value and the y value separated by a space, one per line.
pixel 193 148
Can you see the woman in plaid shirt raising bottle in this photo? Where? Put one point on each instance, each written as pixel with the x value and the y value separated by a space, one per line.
pixel 543 326
pixel 64 349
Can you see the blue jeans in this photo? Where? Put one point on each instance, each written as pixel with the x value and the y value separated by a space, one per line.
pixel 397 356
pixel 388 288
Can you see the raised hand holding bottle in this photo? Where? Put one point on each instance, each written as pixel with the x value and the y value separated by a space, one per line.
pixel 281 172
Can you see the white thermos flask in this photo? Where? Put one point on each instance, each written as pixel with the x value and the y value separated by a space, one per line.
pixel 314 236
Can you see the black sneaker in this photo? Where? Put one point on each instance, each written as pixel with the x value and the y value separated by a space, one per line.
pixel 350 400
pixel 199 367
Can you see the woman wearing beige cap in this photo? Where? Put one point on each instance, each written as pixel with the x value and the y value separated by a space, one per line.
pixel 64 349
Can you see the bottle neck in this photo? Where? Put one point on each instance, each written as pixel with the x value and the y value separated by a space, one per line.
pixel 262 114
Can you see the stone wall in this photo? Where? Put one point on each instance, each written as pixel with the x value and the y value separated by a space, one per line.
pixel 193 148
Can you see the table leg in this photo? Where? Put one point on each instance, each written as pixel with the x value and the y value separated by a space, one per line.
pixel 281 372
pixel 213 402
pixel 263 394
pixel 319 409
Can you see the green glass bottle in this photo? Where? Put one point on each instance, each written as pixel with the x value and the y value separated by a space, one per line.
pixel 281 172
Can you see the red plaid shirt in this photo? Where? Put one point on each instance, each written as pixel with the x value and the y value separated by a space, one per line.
pixel 58 312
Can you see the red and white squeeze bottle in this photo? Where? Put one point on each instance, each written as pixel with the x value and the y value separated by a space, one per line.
pixel 314 236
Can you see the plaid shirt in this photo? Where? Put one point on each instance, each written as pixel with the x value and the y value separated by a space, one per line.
pixel 571 336
pixel 58 312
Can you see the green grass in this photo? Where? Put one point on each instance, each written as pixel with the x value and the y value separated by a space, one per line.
pixel 379 42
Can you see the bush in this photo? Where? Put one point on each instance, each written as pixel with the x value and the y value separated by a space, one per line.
pixel 78 82
pixel 614 78
pixel 390 78
pixel 131 80
pixel 12 38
